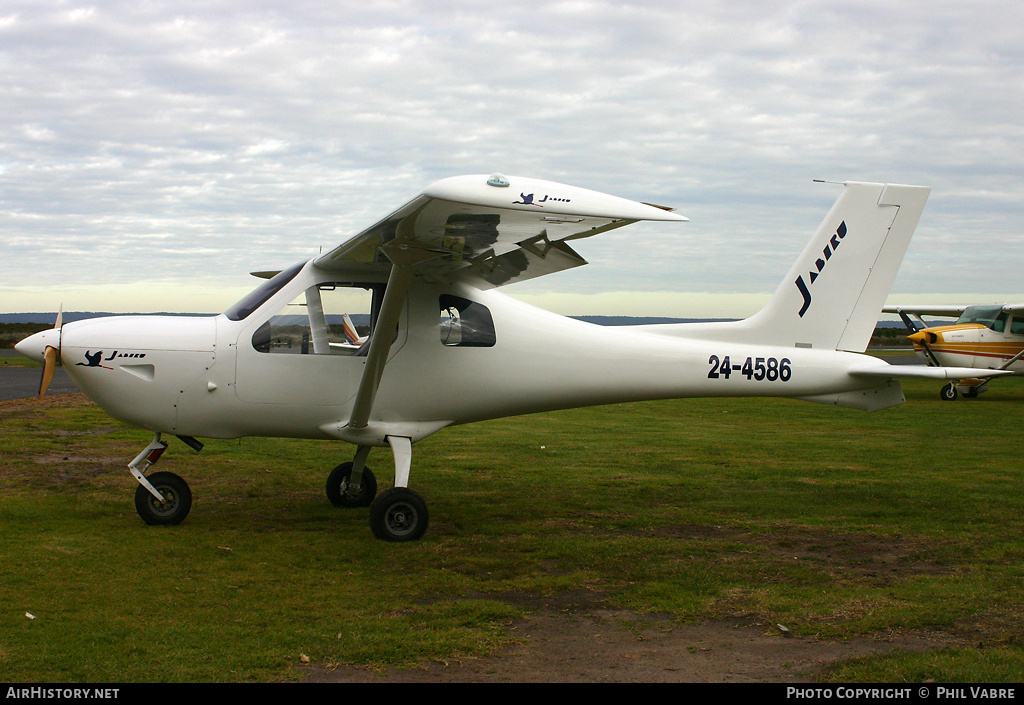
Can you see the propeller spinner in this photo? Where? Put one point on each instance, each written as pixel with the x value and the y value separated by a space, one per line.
pixel 44 346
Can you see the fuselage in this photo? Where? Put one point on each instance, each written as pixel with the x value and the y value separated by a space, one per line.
pixel 270 366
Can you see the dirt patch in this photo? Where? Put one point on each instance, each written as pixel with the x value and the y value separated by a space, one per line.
pixel 579 639
pixel 870 558
pixel 33 403
pixel 613 646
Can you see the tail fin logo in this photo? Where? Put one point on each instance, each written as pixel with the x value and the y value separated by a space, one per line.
pixel 819 264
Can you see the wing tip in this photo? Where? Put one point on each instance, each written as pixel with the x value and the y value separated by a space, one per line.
pixel 526 193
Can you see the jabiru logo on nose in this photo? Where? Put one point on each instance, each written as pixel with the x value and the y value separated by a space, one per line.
pixel 94 359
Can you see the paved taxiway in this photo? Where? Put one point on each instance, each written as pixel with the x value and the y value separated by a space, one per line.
pixel 23 382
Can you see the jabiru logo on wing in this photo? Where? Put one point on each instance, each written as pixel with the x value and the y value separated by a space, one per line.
pixel 819 264
pixel 530 200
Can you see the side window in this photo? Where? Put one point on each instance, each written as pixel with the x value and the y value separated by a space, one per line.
pixel 1017 325
pixel 465 323
pixel 1000 323
pixel 326 319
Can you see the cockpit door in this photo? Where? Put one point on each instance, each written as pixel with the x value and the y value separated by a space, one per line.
pixel 306 353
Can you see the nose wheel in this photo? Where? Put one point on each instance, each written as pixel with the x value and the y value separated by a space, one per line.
pixel 163 497
pixel 175 504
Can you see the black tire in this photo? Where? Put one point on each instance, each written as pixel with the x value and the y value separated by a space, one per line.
pixel 337 487
pixel 177 499
pixel 399 514
pixel 948 393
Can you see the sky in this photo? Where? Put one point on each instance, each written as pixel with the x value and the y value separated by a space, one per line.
pixel 154 153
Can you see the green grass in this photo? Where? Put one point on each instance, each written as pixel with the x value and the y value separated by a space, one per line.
pixel 12 358
pixel 834 522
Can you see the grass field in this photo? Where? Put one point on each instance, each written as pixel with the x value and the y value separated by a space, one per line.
pixel 834 522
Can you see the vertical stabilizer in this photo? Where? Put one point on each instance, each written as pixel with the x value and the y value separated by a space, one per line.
pixel 833 295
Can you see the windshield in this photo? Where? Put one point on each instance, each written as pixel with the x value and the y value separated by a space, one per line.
pixel 259 296
pixel 988 316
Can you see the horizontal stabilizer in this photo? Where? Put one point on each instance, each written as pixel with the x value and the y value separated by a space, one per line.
pixel 922 372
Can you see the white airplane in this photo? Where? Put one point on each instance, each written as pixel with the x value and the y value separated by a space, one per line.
pixel 446 348
pixel 986 337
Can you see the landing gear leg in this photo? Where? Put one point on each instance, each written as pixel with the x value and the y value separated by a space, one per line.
pixel 163 497
pixel 399 514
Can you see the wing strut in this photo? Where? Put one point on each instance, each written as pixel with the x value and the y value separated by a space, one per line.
pixel 380 343
pixel 1012 360
pixel 404 259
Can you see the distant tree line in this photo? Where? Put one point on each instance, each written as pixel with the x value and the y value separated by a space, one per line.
pixel 890 337
pixel 11 333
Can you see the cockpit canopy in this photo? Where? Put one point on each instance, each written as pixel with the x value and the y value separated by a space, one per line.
pixel 989 316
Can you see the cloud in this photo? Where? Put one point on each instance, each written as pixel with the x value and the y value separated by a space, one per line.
pixel 172 146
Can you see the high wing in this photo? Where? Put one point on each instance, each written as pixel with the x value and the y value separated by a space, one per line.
pixel 484 230
pixel 951 311
pixel 491 230
pixel 942 310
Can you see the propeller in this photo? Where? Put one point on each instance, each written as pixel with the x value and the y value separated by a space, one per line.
pixel 51 356
pixel 922 338
pixel 918 335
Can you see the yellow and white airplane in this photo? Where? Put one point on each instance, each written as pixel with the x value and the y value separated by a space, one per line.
pixel 984 337
pixel 446 348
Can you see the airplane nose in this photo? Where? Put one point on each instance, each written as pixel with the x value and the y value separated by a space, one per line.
pixel 923 336
pixel 34 346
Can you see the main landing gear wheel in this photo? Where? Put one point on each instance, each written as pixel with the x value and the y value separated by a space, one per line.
pixel 337 487
pixel 398 514
pixel 176 504
pixel 948 392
